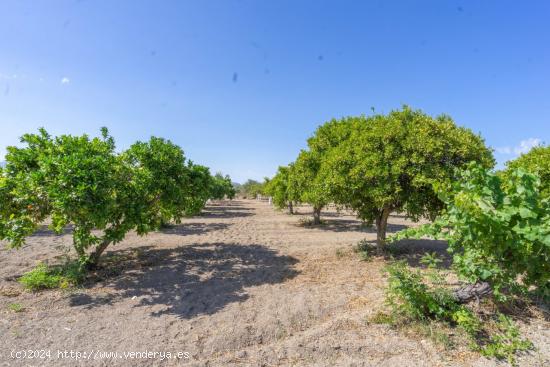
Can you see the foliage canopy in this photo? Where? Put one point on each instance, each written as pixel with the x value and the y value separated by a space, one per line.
pixel 221 187
pixel 389 163
pixel 498 229
pixel 281 188
pixel 83 182
pixel 536 161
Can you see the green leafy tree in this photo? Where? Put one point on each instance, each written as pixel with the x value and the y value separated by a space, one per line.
pixel 308 179
pixel 388 163
pixel 222 187
pixel 280 188
pixel 498 229
pixel 308 183
pixel 251 189
pixel 536 161
pixel 83 182
pixel 198 191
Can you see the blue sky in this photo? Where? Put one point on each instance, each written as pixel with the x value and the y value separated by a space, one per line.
pixel 240 85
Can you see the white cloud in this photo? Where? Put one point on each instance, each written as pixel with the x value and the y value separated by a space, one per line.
pixel 523 147
pixel 527 145
pixel 65 80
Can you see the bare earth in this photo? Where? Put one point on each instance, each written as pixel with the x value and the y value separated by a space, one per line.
pixel 241 285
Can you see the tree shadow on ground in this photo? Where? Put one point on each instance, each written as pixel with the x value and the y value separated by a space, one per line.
pixel 334 214
pixel 185 229
pixel 338 223
pixel 233 211
pixel 191 280
pixel 178 229
pixel 44 230
pixel 344 225
pixel 412 251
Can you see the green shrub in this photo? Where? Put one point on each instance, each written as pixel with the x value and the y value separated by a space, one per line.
pixel 506 342
pixel 44 277
pixel 412 299
pixel 365 250
pixel 409 295
pixel 431 260
pixel 536 161
pixel 466 319
pixel 498 229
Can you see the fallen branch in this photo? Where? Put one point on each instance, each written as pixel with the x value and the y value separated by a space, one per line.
pixel 473 291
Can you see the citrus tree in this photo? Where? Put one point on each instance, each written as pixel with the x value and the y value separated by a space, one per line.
pixel 83 182
pixel 536 161
pixel 307 177
pixel 221 187
pixel 252 188
pixel 308 183
pixel 388 163
pixel 282 191
pixel 498 229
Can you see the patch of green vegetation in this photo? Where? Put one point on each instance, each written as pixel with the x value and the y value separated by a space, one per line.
pixel 16 307
pixel 410 296
pixel 496 227
pixel 506 342
pixel 365 250
pixel 382 318
pixel 45 277
pixel 431 260
pixel 430 309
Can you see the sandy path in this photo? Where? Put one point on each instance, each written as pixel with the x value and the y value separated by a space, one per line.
pixel 242 285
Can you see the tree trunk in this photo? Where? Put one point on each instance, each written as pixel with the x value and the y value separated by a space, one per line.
pixel 381 226
pixel 290 208
pixel 93 260
pixel 316 215
pixel 472 291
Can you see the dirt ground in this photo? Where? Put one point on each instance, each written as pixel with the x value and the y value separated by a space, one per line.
pixel 241 285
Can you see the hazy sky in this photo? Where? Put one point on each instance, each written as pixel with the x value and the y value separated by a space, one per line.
pixel 240 85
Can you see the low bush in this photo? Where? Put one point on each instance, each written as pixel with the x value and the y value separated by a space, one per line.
pixel 506 341
pixel 409 295
pixel 365 250
pixel 420 299
pixel 45 277
pixel 498 230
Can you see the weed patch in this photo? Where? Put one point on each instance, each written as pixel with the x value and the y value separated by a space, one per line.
pixel 420 302
pixel 365 250
pixel 46 277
